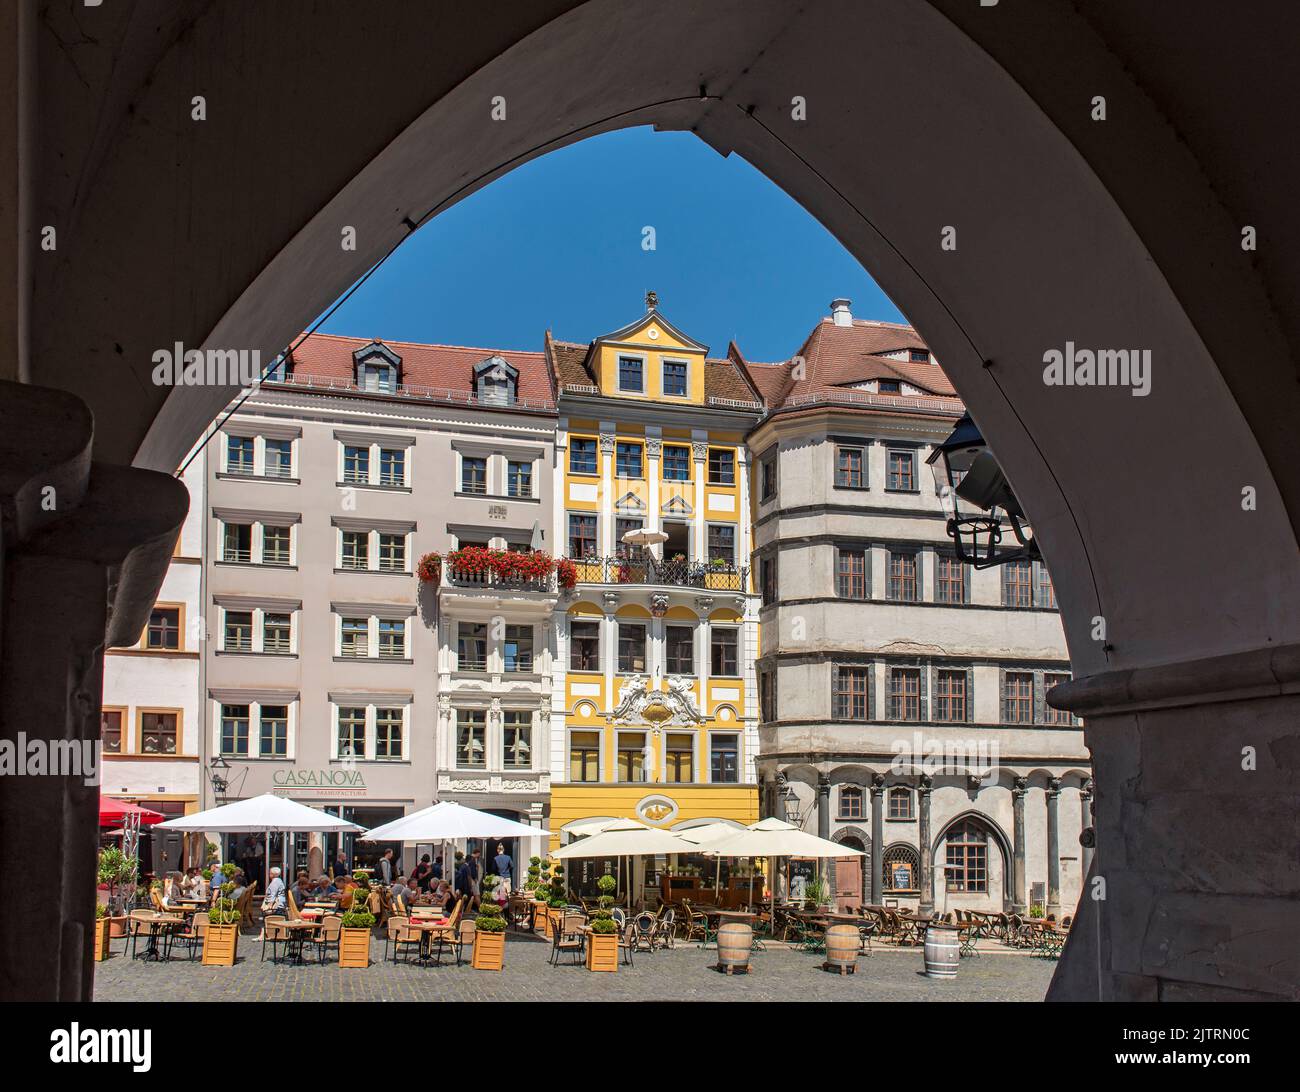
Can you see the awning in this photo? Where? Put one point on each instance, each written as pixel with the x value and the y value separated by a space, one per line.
pixel 113 812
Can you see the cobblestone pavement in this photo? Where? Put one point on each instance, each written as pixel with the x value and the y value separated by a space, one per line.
pixel 680 974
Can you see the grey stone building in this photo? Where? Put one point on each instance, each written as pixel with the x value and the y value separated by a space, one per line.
pixel 902 705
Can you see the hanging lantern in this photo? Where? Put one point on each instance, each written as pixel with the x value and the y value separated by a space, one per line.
pixel 977 497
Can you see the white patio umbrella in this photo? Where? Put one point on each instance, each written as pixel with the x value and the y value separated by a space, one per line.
pixel 641 537
pixel 703 837
pixel 266 814
pixel 448 821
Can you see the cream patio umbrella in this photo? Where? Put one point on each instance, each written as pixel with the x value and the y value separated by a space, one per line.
pixel 777 838
pixel 703 836
pixel 624 838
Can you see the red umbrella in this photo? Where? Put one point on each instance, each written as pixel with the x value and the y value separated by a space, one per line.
pixel 115 811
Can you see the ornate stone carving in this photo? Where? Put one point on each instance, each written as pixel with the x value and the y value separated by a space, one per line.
pixel 704 603
pixel 469 786
pixel 700 450
pixel 659 605
pixel 607 442
pixel 518 784
pixel 653 447
pixel 610 598
pixel 638 704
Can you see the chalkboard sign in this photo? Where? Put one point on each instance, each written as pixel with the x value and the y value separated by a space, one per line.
pixel 804 868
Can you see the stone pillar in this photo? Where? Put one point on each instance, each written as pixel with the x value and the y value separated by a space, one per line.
pixel 877 838
pixel 926 878
pixel 1085 825
pixel 1019 899
pixel 1194 818
pixel 85 550
pixel 825 865
pixel 1053 847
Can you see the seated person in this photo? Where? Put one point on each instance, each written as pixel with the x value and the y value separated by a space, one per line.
pixel 301 889
pixel 275 893
pixel 241 884
pixel 399 890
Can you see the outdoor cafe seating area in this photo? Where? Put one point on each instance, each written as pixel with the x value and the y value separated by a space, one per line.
pixel 347 920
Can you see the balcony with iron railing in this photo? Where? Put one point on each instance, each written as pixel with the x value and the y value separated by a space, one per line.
pixel 488 580
pixel 647 570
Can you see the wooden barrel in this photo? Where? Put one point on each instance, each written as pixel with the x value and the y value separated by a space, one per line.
pixel 942 952
pixel 841 948
pixel 734 941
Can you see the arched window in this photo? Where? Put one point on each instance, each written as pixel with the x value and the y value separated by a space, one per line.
pixel 850 801
pixel 900 802
pixel 902 868
pixel 967 866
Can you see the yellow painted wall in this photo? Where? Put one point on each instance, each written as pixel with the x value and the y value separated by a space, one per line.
pixel 569 803
pixel 652 350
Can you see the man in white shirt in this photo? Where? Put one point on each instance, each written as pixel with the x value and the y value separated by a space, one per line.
pixel 275 891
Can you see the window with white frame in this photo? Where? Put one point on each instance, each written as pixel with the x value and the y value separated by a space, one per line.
pixel 256 728
pixel 368 636
pixel 257 628
pixel 238 631
pixel 239 454
pixel 471 739
pixel 251 540
pixel 519 477
pixel 362 549
pixel 517 649
pixel 370 731
pixel 471 646
pixel 675 378
pixel 517 739
pixel 377 462
pixel 279 457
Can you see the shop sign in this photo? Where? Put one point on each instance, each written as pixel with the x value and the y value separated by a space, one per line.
pixel 343 781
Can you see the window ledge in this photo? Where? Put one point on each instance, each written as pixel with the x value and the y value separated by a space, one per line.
pixel 279 479
pixel 371 660
pixel 251 652
pixel 373 485
pixel 277 565
pixel 371 572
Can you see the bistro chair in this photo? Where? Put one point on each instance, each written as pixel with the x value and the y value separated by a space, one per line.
pixel 327 936
pixel 627 942
pixel 645 931
pixel 192 935
pixel 620 917
pixel 566 938
pixel 274 934
pixel 465 931
pixel 665 927
pixel 404 936
pixel 391 929
pixel 694 925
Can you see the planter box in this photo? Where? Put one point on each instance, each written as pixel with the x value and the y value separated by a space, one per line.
pixel 541 919
pixel 489 951
pixel 602 952
pixel 554 920
pixel 220 944
pixel 354 947
pixel 101 939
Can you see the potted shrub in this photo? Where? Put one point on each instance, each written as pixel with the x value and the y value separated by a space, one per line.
pixel 118 872
pixel 556 899
pixel 221 941
pixel 602 943
pixel 541 899
pixel 354 937
pixel 817 894
pixel 490 930
pixel 101 932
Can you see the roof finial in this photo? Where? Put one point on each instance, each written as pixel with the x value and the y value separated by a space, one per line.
pixel 651 300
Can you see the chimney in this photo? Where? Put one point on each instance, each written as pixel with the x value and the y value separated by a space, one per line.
pixel 840 313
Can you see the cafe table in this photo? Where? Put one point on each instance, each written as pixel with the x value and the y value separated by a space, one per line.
pixel 297 933
pixel 160 925
pixel 429 927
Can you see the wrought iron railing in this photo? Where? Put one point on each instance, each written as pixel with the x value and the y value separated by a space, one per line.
pixel 647 570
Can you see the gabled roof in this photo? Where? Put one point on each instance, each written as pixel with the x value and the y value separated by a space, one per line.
pixel 442 367
pixel 628 332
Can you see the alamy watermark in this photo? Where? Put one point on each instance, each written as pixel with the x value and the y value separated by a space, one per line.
pixel 182 367
pixel 23 757
pixel 970 757
pixel 1101 368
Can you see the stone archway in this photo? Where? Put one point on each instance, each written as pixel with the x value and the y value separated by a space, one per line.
pixel 249 225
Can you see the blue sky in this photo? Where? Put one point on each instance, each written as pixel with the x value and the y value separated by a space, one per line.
pixel 557 243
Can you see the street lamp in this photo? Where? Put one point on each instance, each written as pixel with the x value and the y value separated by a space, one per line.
pixel 218 777
pixel 791 805
pixel 974 489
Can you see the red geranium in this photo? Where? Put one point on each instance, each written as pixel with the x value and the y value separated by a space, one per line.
pixel 429 570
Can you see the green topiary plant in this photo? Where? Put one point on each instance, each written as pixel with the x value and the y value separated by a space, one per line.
pixel 358 916
pixel 101 911
pixel 489 918
pixel 534 880
pixel 557 896
pixel 602 921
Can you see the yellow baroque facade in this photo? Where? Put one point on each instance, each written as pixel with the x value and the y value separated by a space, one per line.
pixel 656 642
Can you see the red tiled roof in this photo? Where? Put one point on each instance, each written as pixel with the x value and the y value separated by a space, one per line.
pixel 442 367
pixel 838 358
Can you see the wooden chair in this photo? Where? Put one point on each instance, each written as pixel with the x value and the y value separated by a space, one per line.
pixel 193 933
pixel 273 934
pixel 327 936
pixel 391 928
pixel 245 901
pixel 465 931
pixel 566 938
pixel 665 927
pixel 291 905
pixel 404 937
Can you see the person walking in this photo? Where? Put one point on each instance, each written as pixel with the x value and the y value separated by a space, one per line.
pixel 386 867
pixel 505 868
pixel 475 871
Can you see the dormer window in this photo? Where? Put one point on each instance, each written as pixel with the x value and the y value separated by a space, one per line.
pixel 919 356
pixel 377 368
pixel 889 386
pixel 496 381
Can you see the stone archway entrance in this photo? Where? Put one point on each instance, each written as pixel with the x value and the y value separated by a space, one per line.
pixel 1063 233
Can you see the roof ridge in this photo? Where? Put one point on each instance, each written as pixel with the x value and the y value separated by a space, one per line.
pixel 422 344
